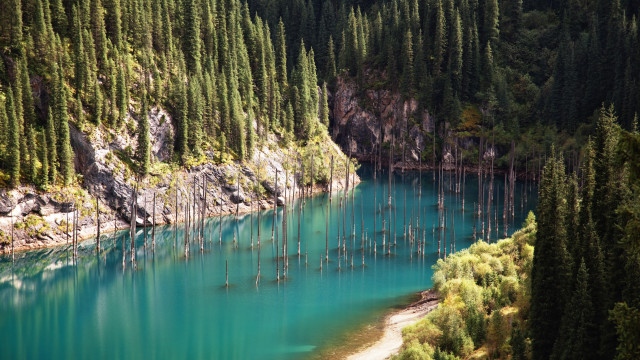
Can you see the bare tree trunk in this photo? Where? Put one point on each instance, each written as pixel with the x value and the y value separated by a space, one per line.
pixel 98 226
pixel 13 254
pixel 175 222
pixel 331 182
pixel 134 215
pixel 123 254
pixel 393 143
pixel 153 229
pixel 284 241
pixel 444 231
pixel 144 223
pixel 66 231
pixel 275 206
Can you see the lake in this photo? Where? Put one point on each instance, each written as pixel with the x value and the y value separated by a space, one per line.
pixel 175 307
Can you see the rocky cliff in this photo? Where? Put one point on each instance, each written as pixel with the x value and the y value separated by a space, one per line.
pixel 40 219
pixel 363 122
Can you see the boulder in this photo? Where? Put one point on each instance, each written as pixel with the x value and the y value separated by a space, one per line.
pixel 7 204
pixel 237 197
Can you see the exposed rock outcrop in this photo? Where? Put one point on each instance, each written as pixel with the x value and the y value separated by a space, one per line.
pixel 40 219
pixel 362 122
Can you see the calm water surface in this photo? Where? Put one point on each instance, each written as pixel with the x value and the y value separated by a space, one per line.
pixel 172 307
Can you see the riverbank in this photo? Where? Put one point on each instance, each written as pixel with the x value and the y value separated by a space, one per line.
pixel 391 341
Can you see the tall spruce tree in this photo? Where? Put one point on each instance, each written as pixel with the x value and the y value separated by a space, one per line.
pixel 550 273
pixel 408 74
pixel 575 339
pixel 324 108
pixel 144 146
pixel 44 160
pixel 64 140
pixel 52 152
pixel 32 170
pixel 13 144
pixel 182 132
pixel 196 114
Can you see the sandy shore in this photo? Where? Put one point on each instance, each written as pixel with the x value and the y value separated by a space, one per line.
pixel 391 340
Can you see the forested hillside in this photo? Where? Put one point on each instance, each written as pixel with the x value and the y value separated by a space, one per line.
pixel 521 63
pixel 220 71
pixel 586 265
pixel 575 295
pixel 218 66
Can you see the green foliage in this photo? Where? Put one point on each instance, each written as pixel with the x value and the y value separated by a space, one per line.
pixel 627 322
pixel 13 144
pixel 144 146
pixel 461 323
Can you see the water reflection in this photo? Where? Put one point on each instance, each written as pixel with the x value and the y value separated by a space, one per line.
pixel 174 306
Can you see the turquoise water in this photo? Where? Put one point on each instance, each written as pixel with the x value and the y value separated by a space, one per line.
pixel 176 307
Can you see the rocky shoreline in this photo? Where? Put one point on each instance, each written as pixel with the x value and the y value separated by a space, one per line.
pixel 37 218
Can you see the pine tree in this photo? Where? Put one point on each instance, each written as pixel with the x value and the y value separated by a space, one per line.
pixel 52 153
pixel 281 57
pixel 79 54
pixel 64 141
pixel 456 54
pixel 250 136
pixel 440 41
pixel 98 101
pixel 491 22
pixel 571 220
pixel 408 73
pixel 144 146
pixel 99 34
pixel 29 115
pixel 330 71
pixel 41 35
pixel 33 157
pixel 182 132
pixel 13 144
pixel 289 120
pixel 44 160
pixel 80 112
pixel 15 18
pixel 237 119
pixel 59 17
pixel 324 109
pixel 420 64
pixel 488 67
pixel 121 95
pixel 196 114
pixel 114 22
pixel 192 36
pixel 313 89
pixel 225 121
pixel 576 336
pixel 550 272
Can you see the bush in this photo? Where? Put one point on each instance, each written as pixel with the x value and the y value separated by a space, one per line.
pixel 483 279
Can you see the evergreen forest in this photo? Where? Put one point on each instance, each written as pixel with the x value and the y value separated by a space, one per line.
pixel 230 74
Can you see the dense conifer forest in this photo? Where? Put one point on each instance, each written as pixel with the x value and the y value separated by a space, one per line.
pixel 215 66
pixel 231 73
pixel 526 63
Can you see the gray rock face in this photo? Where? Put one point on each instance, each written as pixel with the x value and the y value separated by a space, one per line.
pixel 361 123
pixel 100 157
pixel 237 198
pixel 6 203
